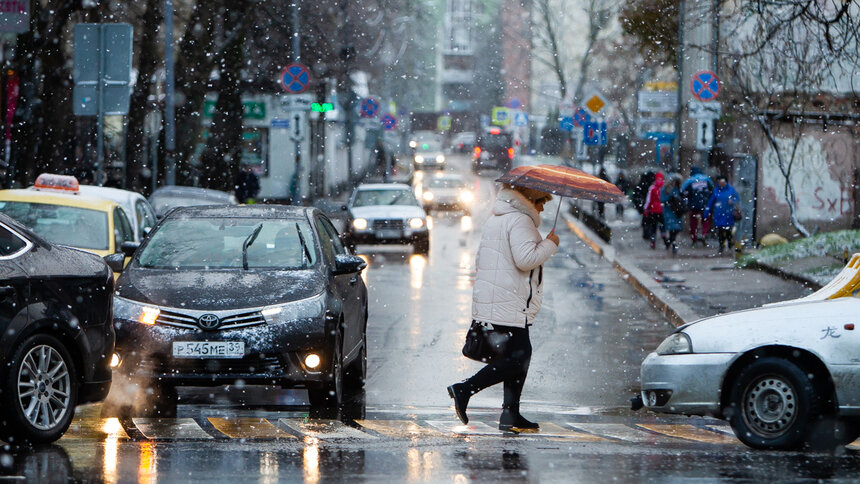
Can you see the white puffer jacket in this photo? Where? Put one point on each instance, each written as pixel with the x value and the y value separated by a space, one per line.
pixel 509 279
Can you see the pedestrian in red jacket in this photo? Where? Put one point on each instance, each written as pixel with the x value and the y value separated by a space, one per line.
pixel 653 212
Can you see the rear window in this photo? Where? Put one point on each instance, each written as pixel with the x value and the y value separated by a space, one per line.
pixel 82 228
pixel 495 142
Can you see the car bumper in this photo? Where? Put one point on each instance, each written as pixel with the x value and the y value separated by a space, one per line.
pixel 370 237
pixel 274 354
pixel 688 384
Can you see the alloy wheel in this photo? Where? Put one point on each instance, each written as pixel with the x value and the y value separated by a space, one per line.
pixel 44 387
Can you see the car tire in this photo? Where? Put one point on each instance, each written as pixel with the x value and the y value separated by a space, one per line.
pixel 330 394
pixel 421 245
pixel 773 405
pixel 356 373
pixel 44 415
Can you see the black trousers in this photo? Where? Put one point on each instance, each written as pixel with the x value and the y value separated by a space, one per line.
pixel 511 368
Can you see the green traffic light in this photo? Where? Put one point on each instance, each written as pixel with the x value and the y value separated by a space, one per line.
pixel 322 107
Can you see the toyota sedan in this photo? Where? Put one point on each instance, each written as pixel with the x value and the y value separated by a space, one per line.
pixel 254 294
pixel 784 375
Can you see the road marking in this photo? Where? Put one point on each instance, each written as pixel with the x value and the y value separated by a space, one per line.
pixel 400 429
pixel 248 428
pixel 471 429
pixel 691 432
pixel 324 429
pixel 170 429
pixel 557 431
pixel 96 428
pixel 619 432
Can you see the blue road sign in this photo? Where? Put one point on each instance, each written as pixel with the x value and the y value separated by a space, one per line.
pixel 521 119
pixel 594 133
pixel 705 85
pixel 388 121
pixel 369 107
pixel 565 123
pixel 295 78
pixel 281 123
pixel 580 116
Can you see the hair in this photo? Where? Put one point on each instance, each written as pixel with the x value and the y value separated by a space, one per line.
pixel 530 193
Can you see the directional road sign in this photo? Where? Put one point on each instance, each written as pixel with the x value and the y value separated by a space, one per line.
pixel 702 110
pixel 565 123
pixel 705 134
pixel 389 122
pixel 581 116
pixel 443 123
pixel 521 119
pixel 295 78
pixel 594 133
pixel 369 107
pixel 705 86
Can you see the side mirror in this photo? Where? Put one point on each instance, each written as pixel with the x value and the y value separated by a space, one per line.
pixel 128 248
pixel 115 261
pixel 348 264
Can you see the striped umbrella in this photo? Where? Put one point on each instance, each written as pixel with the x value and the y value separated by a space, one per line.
pixel 563 181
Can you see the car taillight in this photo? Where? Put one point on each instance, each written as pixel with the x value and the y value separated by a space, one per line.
pixel 511 153
pixel 477 152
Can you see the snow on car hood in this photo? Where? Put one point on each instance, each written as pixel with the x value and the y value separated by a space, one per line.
pixel 373 212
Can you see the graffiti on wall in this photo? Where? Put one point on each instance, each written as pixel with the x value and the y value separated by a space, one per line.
pixel 820 193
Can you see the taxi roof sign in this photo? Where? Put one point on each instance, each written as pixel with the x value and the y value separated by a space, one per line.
pixel 52 181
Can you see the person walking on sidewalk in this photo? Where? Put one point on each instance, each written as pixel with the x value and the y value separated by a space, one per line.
pixel 673 211
pixel 625 186
pixel 653 210
pixel 722 205
pixel 697 190
pixel 507 294
pixel 640 192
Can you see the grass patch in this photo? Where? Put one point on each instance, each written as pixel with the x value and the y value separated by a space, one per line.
pixel 833 244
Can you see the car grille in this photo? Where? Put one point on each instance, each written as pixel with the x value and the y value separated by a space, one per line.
pixel 233 321
pixel 388 223
pixel 250 365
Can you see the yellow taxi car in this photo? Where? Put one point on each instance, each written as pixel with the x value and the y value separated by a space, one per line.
pixel 55 209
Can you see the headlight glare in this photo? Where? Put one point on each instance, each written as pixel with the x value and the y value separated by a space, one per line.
pixel 359 224
pixel 428 196
pixel 416 223
pixel 419 159
pixel 125 309
pixel 675 344
pixel 467 196
pixel 440 158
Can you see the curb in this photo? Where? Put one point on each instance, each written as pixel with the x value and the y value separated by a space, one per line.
pixel 775 271
pixel 677 312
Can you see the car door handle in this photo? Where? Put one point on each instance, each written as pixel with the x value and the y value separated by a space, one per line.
pixel 6 291
pixel 353 280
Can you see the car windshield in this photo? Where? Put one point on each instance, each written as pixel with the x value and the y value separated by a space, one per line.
pixel 447 183
pixel 429 145
pixel 384 197
pixel 82 228
pixel 495 142
pixel 216 243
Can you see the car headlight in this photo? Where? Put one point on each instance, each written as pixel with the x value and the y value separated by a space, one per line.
pixel 311 307
pixel 413 143
pixel 428 196
pixel 675 344
pixel 129 310
pixel 467 196
pixel 359 224
pixel 416 223
pixel 440 158
pixel 419 159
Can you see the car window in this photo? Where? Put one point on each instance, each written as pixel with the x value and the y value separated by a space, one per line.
pixel 365 198
pixel 499 141
pixel 10 243
pixel 145 219
pixel 82 228
pixel 216 243
pixel 121 228
pixel 326 242
pixel 446 183
pixel 335 237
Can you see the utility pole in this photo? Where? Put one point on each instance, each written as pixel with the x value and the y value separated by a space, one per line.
pixel 169 107
pixel 297 56
pixel 347 53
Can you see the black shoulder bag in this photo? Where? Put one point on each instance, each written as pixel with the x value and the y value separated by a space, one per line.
pixel 483 343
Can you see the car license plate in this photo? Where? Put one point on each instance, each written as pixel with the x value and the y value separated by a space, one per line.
pixel 208 349
pixel 389 234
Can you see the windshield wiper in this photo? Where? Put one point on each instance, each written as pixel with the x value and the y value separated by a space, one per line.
pixel 250 240
pixel 306 254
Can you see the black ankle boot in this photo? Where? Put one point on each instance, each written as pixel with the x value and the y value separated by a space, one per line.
pixel 512 421
pixel 461 395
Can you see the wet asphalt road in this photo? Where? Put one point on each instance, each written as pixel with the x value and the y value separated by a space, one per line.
pixel 589 340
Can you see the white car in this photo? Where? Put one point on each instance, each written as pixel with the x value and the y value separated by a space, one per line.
pixel 785 375
pixel 140 212
pixel 447 191
pixel 386 213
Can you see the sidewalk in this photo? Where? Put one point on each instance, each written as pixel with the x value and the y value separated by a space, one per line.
pixel 693 284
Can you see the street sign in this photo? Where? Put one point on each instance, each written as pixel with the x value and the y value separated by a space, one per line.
pixel 297 126
pixel 15 16
pixel 705 86
pixel 295 78
pixel 102 69
pixel 594 133
pixel 595 102
pixel 501 116
pixel 565 123
pixel 389 122
pixel 705 134
pixel 281 123
pixel 515 103
pixel 701 110
pixel 658 101
pixel 580 117
pixel 521 119
pixel 297 102
pixel 443 123
pixel 368 107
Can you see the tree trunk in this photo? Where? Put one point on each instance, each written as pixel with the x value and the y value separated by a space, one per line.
pixel 785 169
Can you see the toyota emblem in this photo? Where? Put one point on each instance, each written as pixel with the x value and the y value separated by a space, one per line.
pixel 208 321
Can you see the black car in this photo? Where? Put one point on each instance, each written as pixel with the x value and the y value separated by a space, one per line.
pixel 56 336
pixel 259 294
pixel 494 149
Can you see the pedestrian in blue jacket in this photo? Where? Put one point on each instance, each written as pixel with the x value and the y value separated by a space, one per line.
pixel 673 211
pixel 697 190
pixel 722 204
